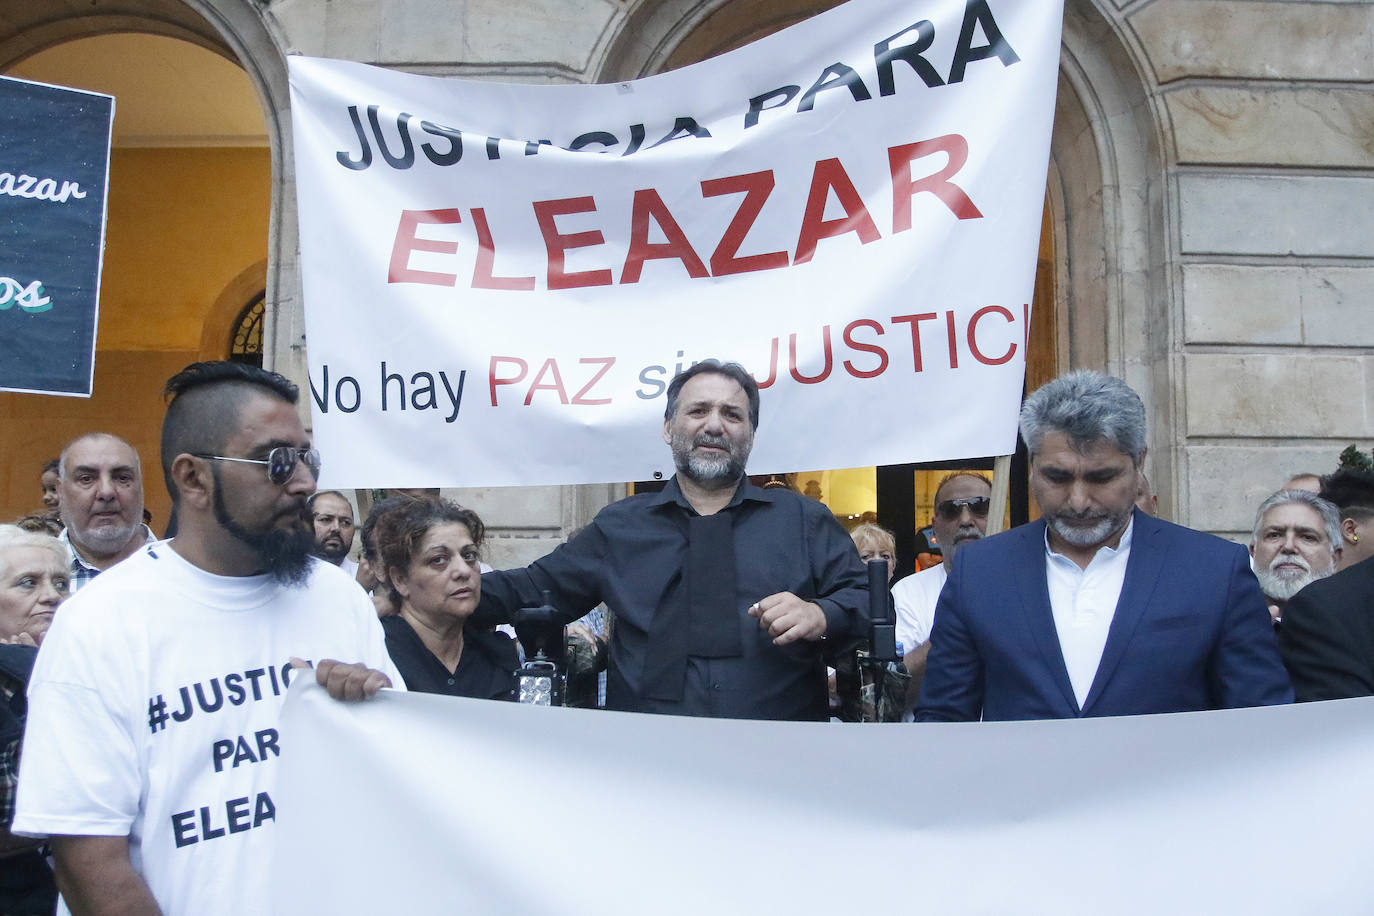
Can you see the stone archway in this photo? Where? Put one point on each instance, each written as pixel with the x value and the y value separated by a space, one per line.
pixel 1107 200
pixel 137 352
pixel 1105 190
pixel 238 31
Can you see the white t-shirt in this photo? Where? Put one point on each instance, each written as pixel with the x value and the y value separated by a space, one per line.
pixel 915 598
pixel 153 711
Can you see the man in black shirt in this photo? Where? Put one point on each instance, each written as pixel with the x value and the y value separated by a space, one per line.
pixel 723 593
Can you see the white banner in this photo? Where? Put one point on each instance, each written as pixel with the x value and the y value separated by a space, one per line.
pixel 500 280
pixel 423 804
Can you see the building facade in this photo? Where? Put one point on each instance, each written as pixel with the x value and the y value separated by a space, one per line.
pixel 1209 212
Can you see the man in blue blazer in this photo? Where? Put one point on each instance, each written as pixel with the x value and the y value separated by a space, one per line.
pixel 1097 609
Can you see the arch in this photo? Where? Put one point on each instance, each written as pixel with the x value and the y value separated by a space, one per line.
pixel 245 345
pixel 1108 202
pixel 658 35
pixel 1105 188
pixel 29 32
pixel 227 307
pixel 261 53
pixel 239 31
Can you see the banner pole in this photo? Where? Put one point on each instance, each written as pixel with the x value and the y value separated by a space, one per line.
pixel 1001 487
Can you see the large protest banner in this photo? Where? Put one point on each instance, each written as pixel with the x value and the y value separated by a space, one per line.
pixel 505 277
pixel 426 804
pixel 54 168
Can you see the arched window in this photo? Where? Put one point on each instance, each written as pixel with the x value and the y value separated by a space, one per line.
pixel 245 340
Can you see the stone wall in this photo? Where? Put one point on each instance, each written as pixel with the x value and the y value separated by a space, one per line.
pixel 1213 170
pixel 1268 109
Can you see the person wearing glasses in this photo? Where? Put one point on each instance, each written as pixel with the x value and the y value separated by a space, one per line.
pixel 152 745
pixel 961 516
pixel 1096 609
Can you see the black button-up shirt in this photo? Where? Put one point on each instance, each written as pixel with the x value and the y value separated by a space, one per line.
pixel 486 669
pixel 632 556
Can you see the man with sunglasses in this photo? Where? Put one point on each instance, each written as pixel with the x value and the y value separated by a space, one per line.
pixel 1097 609
pixel 961 517
pixel 152 744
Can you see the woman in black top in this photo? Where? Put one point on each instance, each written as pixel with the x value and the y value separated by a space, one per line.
pixel 430 550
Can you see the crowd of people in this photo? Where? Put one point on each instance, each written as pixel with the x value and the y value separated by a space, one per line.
pixel 147 707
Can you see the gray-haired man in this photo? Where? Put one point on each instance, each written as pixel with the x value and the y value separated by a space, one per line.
pixel 1296 541
pixel 1097 609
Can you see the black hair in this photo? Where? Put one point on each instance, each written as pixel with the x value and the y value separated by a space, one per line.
pixel 1351 490
pixel 730 370
pixel 203 407
pixel 399 538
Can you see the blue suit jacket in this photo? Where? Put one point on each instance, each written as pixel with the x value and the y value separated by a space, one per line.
pixel 1191 631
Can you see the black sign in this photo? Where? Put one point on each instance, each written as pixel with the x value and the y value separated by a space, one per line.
pixel 54 163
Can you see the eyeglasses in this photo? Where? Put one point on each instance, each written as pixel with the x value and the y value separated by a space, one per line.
pixel 950 509
pixel 281 462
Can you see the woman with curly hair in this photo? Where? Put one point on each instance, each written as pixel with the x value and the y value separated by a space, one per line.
pixel 430 549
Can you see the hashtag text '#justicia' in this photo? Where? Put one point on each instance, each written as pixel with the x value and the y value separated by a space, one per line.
pixel 234 689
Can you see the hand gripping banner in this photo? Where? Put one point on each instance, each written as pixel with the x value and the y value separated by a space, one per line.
pixel 500 280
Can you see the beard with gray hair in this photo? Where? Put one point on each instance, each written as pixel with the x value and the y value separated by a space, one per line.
pixel 1281 584
pixel 1089 528
pixel 726 466
pixel 103 540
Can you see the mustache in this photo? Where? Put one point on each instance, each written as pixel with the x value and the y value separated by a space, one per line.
pixel 707 439
pixel 1294 558
pixel 1089 516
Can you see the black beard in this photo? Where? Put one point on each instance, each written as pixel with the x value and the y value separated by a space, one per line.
pixel 283 553
pixel 333 555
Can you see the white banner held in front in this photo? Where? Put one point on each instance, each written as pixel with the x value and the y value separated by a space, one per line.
pixel 500 280
pixel 422 804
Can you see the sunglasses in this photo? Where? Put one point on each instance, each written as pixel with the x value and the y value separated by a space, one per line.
pixel 281 462
pixel 950 509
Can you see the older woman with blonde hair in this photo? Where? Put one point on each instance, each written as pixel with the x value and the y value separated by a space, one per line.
pixel 34 580
pixel 34 575
pixel 876 543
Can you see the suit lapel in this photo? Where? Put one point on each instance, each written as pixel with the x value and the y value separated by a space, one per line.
pixel 1032 586
pixel 1143 569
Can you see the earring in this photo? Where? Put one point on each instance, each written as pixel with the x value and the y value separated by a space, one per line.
pixel 1354 539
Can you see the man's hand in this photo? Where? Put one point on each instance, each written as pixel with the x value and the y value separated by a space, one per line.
pixel 346 682
pixel 787 618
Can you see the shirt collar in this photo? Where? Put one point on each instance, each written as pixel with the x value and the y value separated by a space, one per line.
pixel 148 538
pixel 671 494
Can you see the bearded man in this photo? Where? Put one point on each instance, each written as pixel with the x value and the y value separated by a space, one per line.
pixel 1296 541
pixel 150 757
pixel 722 592
pixel 100 491
pixel 1097 609
pixel 333 516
